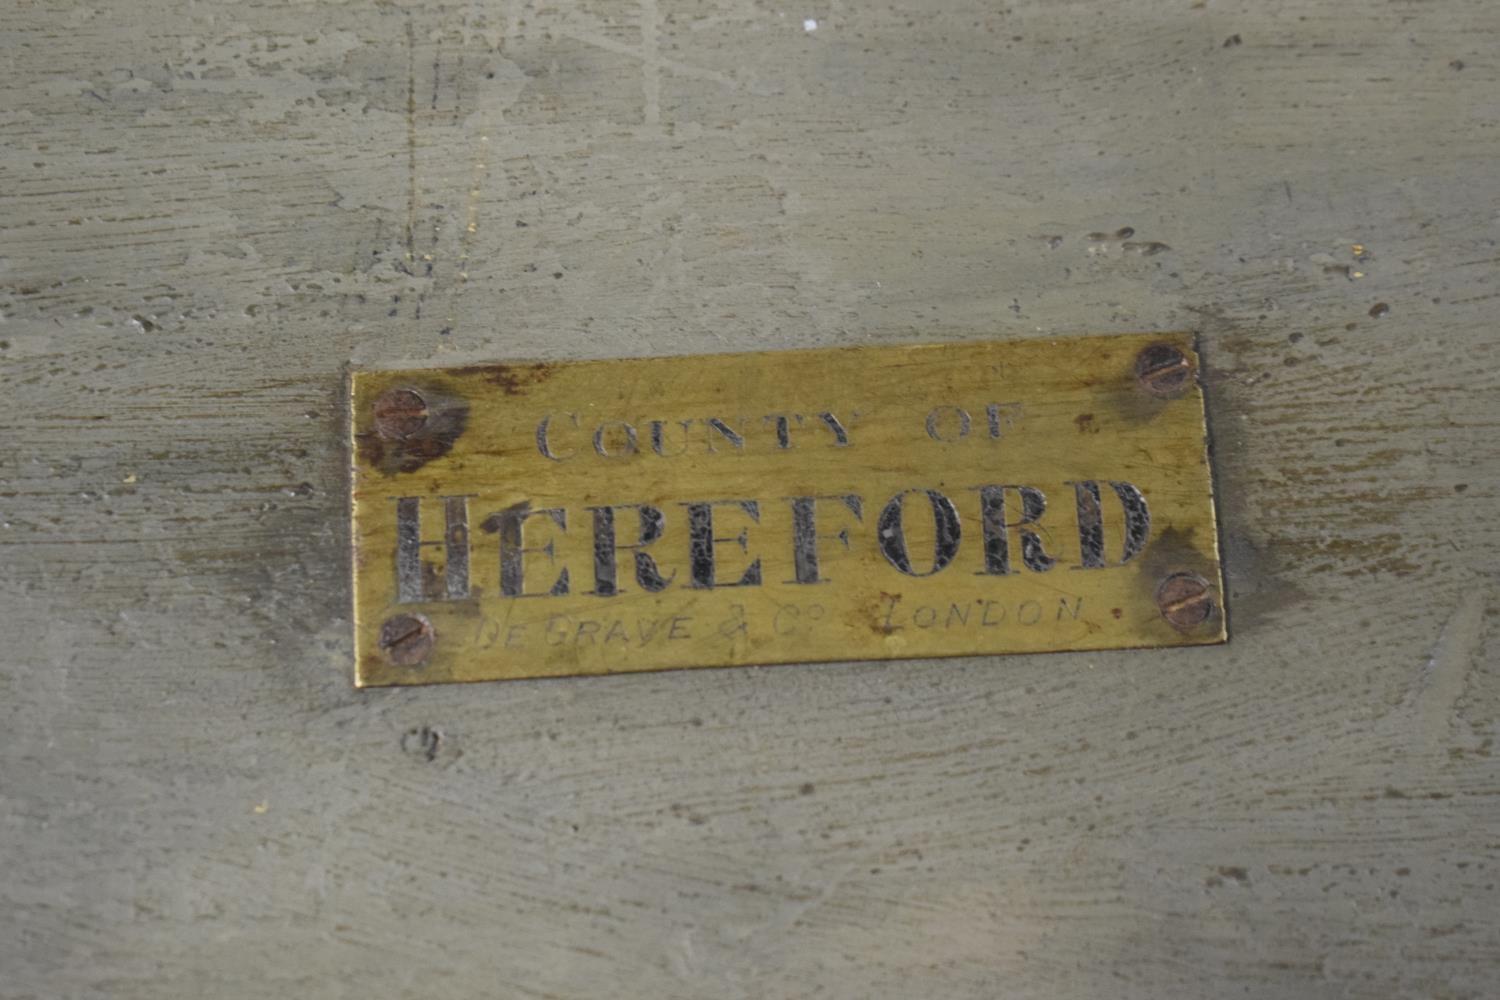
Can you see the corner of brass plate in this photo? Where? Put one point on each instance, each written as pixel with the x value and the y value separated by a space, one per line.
pixel 593 517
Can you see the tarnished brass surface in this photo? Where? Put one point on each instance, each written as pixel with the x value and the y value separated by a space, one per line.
pixel 533 520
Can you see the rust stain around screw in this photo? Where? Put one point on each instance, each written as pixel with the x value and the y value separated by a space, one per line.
pixel 406 640
pixel 409 426
pixel 1184 600
pixel 399 413
pixel 1163 370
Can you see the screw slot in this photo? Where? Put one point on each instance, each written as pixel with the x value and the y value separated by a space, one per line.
pixel 406 640
pixel 399 413
pixel 1163 370
pixel 1185 601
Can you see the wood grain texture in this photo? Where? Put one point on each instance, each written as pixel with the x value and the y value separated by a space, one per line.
pixel 209 210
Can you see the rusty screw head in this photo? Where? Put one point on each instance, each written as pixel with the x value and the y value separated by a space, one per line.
pixel 399 413
pixel 407 639
pixel 1163 370
pixel 1184 600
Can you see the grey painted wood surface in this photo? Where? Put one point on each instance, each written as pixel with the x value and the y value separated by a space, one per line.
pixel 209 209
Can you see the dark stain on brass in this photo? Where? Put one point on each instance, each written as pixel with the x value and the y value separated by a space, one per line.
pixel 410 426
pixel 1163 370
pixel 407 639
pixel 1185 601
pixel 513 379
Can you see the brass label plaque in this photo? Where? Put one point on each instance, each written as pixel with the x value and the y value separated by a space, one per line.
pixel 538 520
